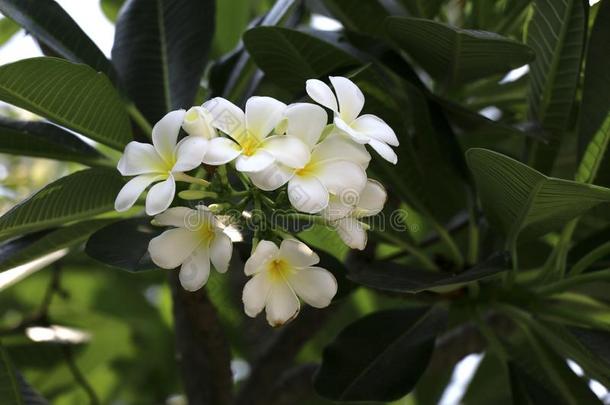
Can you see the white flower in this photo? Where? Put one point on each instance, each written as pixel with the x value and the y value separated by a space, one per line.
pixel 253 149
pixel 197 239
pixel 283 275
pixel 198 122
pixel 347 105
pixel 165 160
pixel 335 166
pixel 345 216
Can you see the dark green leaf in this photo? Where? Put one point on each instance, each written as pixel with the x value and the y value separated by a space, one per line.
pixel 124 244
pixel 42 139
pixel 48 22
pixel 556 33
pixel 367 18
pixel 160 51
pixel 423 8
pixel 10 392
pixel 381 356
pixel 72 95
pixel 522 202
pixel 596 341
pixel 489 385
pixel 290 57
pixel 80 195
pixel 453 55
pixel 388 276
pixel 53 241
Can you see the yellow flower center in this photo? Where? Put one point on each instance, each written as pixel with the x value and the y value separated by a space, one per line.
pixel 279 269
pixel 207 232
pixel 249 144
pixel 308 170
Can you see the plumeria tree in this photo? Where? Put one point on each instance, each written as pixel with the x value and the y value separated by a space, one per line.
pixel 417 188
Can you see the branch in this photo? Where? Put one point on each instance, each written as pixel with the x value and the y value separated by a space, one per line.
pixel 203 351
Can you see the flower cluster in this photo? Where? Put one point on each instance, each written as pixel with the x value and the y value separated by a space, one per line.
pixel 319 166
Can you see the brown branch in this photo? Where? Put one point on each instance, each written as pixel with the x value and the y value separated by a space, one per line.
pixel 202 349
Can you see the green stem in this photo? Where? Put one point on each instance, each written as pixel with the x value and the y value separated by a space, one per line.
pixel 222 175
pixel 458 259
pixel 78 375
pixel 473 234
pixel 415 252
pixel 139 119
pixel 190 179
pixel 255 216
pixel 590 258
pixel 511 276
pixel 567 283
pixel 555 268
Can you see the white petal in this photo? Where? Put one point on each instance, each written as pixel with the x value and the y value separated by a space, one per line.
pixel 160 196
pixel 307 194
pixel 170 249
pixel 255 294
pixel 288 150
pixel 298 254
pixel 337 208
pixel 221 250
pixel 140 158
pixel 372 199
pixel 262 115
pixel 306 121
pixel 384 151
pixel 198 122
pixel 376 128
pixel 339 147
pixel 314 285
pixel 272 178
pixel 260 160
pixel 351 231
pixel 176 216
pixel 344 128
pixel 195 271
pixel 130 192
pixel 265 251
pixel 221 151
pixel 282 304
pixel 342 178
pixel 351 99
pixel 226 116
pixel 165 134
pixel 321 94
pixel 189 153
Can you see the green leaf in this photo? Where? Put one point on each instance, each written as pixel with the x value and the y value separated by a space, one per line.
pixel 454 55
pixel 55 240
pixel 522 202
pixel 8 28
pixel 289 57
pixel 557 34
pixel 42 139
pixel 160 51
pixel 594 124
pixel 124 244
pixel 10 391
pixel 423 8
pixel 388 276
pixel 72 95
pixel 381 356
pixel 80 195
pixel 111 8
pixel 48 22
pixel 367 18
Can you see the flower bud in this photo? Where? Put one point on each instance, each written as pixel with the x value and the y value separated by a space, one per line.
pixel 198 122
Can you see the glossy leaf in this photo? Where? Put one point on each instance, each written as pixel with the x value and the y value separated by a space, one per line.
pixel 124 244
pixel 388 276
pixel 71 95
pixel 53 241
pixel 10 391
pixel 160 51
pixel 42 139
pixel 522 202
pixel 49 23
pixel 381 356
pixel 289 57
pixel 454 55
pixel 556 33
pixel 80 195
pixel 367 18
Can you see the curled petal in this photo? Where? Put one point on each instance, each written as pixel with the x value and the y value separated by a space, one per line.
pixel 165 134
pixel 272 178
pixel 262 115
pixel 288 150
pixel 314 285
pixel 342 178
pixel 260 160
pixel 376 128
pixel 226 116
pixel 307 194
pixel 160 196
pixel 198 122
pixel 351 232
pixel 356 136
pixel 221 250
pixel 173 247
pixel 255 294
pixel 321 94
pixel 339 147
pixel 384 151
pixel 176 216
pixel 306 121
pixel 221 151
pixel 282 304
pixel 130 192
pixel 337 208
pixel 140 158
pixel 351 99
pixel 372 199
pixel 298 254
pixel 264 252
pixel 195 271
pixel 189 153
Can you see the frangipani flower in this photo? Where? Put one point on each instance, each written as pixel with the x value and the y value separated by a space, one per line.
pixel 345 216
pixel 198 122
pixel 252 147
pixel 283 275
pixel 165 160
pixel 347 105
pixel 335 166
pixel 197 239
